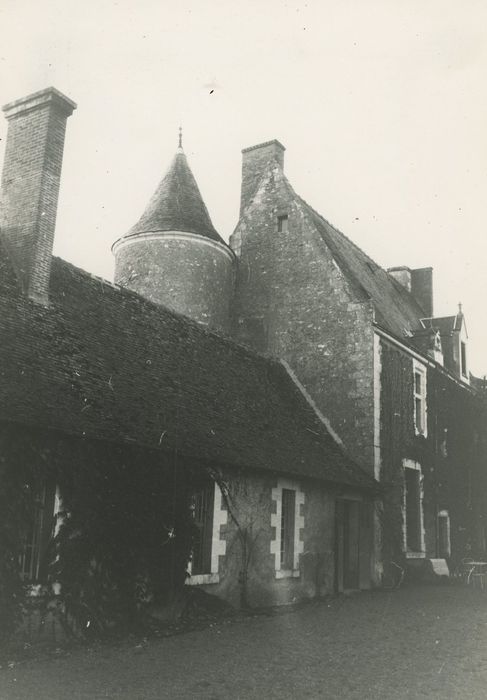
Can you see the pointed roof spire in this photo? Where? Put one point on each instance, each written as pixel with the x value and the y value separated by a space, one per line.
pixel 180 145
pixel 177 204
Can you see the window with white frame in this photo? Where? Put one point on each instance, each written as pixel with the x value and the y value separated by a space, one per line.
pixel 209 515
pixel 420 408
pixel 203 505
pixel 287 522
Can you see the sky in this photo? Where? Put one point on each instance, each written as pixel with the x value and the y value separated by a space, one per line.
pixel 381 105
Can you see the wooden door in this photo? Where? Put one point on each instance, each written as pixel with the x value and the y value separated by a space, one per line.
pixel 347 545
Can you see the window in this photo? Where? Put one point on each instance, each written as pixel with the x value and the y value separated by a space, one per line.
pixel 463 358
pixel 413 509
pixel 288 509
pixel 203 518
pixel 209 515
pixel 287 522
pixel 38 534
pixel 30 558
pixel 282 223
pixel 420 424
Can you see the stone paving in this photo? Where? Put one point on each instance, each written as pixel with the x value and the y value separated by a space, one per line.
pixel 428 642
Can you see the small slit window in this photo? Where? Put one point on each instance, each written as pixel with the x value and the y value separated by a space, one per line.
pixel 463 358
pixel 282 223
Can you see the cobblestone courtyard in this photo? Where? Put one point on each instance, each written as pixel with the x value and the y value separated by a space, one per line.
pixel 426 642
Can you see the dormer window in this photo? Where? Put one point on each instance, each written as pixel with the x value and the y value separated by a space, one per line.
pixel 282 223
pixel 463 358
pixel 420 424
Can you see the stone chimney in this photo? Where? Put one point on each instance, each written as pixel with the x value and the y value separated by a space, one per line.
pixel 419 283
pixel 401 275
pixel 255 159
pixel 30 185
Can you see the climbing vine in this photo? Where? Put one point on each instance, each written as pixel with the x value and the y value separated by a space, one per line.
pixel 123 535
pixel 451 455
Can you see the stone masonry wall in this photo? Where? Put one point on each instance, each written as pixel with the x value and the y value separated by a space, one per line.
pixel 195 279
pixel 251 504
pixel 293 302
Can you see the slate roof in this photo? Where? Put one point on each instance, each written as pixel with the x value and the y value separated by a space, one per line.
pixel 445 324
pixel 177 204
pixel 396 309
pixel 105 363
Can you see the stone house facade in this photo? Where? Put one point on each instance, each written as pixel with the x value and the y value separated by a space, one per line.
pixel 144 376
pixel 392 378
pixel 334 415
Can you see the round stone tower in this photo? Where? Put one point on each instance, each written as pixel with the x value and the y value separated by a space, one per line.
pixel 173 255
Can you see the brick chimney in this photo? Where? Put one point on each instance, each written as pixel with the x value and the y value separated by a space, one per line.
pixel 255 159
pixel 30 185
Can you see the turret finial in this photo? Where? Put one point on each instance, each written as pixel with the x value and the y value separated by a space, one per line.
pixel 180 137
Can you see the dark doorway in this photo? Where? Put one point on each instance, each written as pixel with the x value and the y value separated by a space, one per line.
pixel 353 534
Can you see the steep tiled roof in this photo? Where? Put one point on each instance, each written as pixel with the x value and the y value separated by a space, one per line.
pixel 177 204
pixel 103 362
pixel 395 308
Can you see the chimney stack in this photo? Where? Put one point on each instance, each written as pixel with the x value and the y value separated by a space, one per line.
pixel 422 288
pixel 401 275
pixel 255 159
pixel 30 185
pixel 419 283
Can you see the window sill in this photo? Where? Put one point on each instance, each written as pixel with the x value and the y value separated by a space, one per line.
pixel 288 573
pixel 415 555
pixel 202 579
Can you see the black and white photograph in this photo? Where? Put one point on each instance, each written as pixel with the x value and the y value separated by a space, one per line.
pixel 243 350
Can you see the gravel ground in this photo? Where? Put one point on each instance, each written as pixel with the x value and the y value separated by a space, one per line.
pixel 428 642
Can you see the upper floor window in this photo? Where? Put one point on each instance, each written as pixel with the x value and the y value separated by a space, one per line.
pixel 282 223
pixel 420 409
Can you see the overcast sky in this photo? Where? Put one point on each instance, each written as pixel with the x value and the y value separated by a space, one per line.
pixel 382 107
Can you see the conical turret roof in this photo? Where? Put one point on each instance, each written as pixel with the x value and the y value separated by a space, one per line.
pixel 177 204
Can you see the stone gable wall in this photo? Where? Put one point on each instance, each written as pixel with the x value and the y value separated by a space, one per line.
pixel 293 302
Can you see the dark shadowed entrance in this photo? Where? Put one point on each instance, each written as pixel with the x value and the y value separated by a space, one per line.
pixel 353 530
